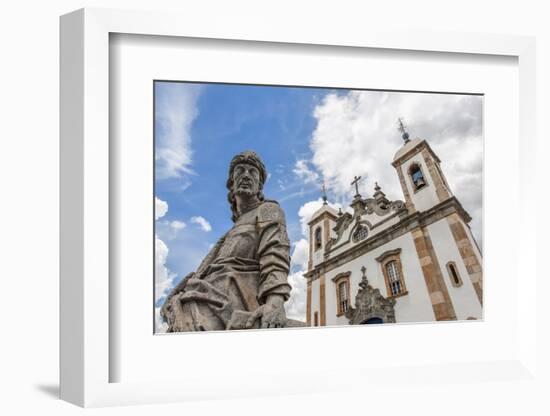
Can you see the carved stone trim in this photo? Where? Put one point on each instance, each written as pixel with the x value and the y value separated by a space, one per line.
pixel 406 225
pixel 408 201
pixel 322 217
pixel 441 301
pixel 466 250
pixel 424 177
pixel 370 303
pixel 436 175
pixel 308 303
pixel 322 300
pixel 415 150
pixel 340 276
pixel 338 279
pixel 388 253
pixel 384 259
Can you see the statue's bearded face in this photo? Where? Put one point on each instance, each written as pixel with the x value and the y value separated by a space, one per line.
pixel 246 179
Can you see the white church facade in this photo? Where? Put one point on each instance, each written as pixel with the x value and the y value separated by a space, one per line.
pixel 396 261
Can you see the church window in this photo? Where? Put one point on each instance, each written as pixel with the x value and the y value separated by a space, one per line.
pixel 360 233
pixel 417 177
pixel 343 297
pixel 394 278
pixel 392 270
pixel 342 293
pixel 456 280
pixel 318 239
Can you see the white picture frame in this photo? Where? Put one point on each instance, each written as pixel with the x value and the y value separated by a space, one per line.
pixel 85 212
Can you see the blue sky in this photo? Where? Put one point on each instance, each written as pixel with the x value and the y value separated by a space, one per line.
pixel 304 136
pixel 275 122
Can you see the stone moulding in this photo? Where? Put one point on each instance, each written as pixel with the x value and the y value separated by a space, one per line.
pixel 370 303
pixel 407 224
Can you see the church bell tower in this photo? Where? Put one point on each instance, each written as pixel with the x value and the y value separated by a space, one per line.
pixel 420 175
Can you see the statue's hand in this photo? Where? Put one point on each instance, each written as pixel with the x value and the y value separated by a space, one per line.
pixel 271 314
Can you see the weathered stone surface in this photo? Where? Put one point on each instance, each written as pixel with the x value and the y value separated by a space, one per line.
pixel 242 282
pixel 370 303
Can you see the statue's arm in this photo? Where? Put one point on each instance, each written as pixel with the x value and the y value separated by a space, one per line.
pixel 273 254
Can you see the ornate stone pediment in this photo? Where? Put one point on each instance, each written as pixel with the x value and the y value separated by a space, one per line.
pixel 370 303
pixel 378 205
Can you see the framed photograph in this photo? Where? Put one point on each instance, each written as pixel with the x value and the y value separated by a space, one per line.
pixel 225 197
pixel 310 238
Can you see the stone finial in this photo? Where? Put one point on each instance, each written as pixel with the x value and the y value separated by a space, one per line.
pixel 364 281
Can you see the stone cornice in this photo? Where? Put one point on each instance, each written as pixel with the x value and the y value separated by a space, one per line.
pixel 417 149
pixel 321 217
pixel 340 276
pixel 369 225
pixel 407 224
pixel 388 253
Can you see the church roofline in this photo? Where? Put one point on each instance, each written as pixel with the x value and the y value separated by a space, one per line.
pixel 407 224
pixel 320 213
pixel 410 149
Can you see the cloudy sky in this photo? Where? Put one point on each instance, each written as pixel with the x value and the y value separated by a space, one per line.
pixel 304 136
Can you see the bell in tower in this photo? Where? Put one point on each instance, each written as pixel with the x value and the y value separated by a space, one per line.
pixel 420 174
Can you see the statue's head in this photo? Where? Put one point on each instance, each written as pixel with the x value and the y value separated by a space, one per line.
pixel 247 175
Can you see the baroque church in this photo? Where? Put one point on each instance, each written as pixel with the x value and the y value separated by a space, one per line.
pixel 396 261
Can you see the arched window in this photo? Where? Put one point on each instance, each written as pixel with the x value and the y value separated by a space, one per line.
pixel 454 276
pixel 394 278
pixel 360 233
pixel 318 239
pixel 417 177
pixel 392 269
pixel 343 297
pixel 342 293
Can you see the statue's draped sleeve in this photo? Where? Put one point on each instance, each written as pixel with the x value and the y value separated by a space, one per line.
pixel 273 252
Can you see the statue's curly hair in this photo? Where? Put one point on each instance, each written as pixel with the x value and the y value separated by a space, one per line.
pixel 253 159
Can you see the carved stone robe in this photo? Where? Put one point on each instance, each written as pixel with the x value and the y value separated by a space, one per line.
pixel 250 262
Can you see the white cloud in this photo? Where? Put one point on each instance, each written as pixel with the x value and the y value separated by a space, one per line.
pixel 356 134
pixel 163 276
pixel 177 225
pixel 307 210
pixel 305 213
pixel 302 170
pixel 202 222
pixel 169 230
pixel 176 109
pixel 300 254
pixel 161 208
pixel 295 307
pixel 160 326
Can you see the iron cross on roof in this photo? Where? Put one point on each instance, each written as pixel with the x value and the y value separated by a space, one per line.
pixel 356 183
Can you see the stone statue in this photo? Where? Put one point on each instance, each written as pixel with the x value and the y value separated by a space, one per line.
pixel 242 282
